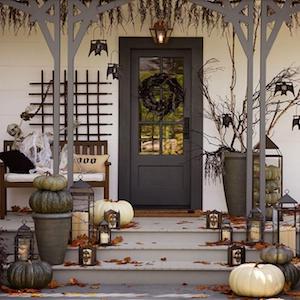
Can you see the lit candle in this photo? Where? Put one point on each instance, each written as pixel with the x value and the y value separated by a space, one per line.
pixel 254 233
pixel 287 236
pixel 80 224
pixel 104 238
pixel 226 235
pixel 23 250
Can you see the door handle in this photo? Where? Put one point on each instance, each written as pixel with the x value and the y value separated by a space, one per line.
pixel 186 128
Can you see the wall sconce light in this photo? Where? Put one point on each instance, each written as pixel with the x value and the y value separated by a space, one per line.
pixel 161 32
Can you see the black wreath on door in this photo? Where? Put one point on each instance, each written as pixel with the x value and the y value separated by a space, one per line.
pixel 164 106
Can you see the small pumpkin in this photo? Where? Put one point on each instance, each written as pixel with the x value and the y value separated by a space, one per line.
pixel 256 280
pixel 278 254
pixel 124 207
pixel 50 182
pixel 29 274
pixel 47 202
pixel 291 274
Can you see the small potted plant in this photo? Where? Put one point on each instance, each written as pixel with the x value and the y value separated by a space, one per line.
pixel 52 206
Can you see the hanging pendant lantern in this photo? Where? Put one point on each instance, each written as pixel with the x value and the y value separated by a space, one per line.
pixel 161 32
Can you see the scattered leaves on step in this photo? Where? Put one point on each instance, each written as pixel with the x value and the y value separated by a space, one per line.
pixel 139 243
pixel 73 281
pixel 219 288
pixel 200 296
pixel 81 240
pixel 184 222
pixel 131 225
pixel 201 262
pixel 18 209
pixel 95 286
pixel 10 291
pixel 295 293
pixel 117 240
pixel 70 263
pixel 218 243
pixel 163 259
pixel 53 284
pixel 124 261
pixel 261 245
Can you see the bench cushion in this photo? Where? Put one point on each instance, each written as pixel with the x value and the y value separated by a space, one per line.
pixel 14 177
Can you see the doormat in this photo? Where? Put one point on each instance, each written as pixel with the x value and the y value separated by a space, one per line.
pixel 168 213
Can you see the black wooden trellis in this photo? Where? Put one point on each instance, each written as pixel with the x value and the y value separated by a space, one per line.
pixel 87 100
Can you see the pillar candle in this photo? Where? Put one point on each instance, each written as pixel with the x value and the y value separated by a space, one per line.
pixel 254 233
pixel 104 238
pixel 287 236
pixel 80 224
pixel 226 236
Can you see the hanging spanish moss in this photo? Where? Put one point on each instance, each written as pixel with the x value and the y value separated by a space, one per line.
pixel 182 12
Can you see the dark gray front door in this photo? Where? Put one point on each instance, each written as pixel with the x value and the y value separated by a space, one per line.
pixel 160 154
pixel 157 145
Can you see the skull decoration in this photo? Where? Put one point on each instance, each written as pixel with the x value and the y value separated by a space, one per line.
pixel 213 219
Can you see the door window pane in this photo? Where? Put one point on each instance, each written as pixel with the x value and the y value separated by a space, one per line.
pixel 149 139
pixel 172 140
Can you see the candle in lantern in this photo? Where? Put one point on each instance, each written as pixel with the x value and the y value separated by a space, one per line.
pixel 104 238
pixel 226 236
pixel 287 236
pixel 254 233
pixel 23 249
pixel 80 224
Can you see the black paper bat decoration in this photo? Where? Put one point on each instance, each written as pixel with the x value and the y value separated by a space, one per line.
pixel 112 69
pixel 296 122
pixel 227 120
pixel 98 46
pixel 284 87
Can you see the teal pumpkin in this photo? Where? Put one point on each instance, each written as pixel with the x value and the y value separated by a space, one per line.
pixel 48 202
pixel 29 274
pixel 291 274
pixel 278 254
pixel 50 183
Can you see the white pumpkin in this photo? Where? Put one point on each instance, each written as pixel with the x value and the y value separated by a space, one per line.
pixel 256 280
pixel 124 207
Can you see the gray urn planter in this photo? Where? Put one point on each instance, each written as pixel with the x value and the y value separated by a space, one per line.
pixel 52 233
pixel 234 181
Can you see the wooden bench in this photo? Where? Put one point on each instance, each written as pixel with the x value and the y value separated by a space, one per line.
pixel 80 147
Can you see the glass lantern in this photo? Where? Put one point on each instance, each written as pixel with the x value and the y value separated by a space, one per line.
pixel 83 211
pixel 213 219
pixel 236 255
pixel 112 217
pixel 285 222
pixel 274 169
pixel 226 232
pixel 104 234
pixel 255 226
pixel 161 32
pixel 24 243
pixel 87 255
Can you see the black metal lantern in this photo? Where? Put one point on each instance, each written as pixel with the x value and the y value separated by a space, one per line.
pixel 286 219
pixel 161 32
pixel 236 255
pixel 255 226
pixel 104 234
pixel 24 243
pixel 226 232
pixel 274 171
pixel 83 211
pixel 87 255
pixel 112 217
pixel 213 219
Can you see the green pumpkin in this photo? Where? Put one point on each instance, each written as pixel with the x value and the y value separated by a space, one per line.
pixel 50 183
pixel 29 274
pixel 276 255
pixel 47 202
pixel 291 274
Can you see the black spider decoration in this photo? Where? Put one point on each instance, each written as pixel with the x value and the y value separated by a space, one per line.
pixel 296 121
pixel 112 69
pixel 98 46
pixel 227 120
pixel 284 87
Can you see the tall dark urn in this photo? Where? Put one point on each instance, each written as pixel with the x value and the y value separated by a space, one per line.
pixel 234 181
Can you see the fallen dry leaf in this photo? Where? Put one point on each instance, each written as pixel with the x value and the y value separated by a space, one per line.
pixel 117 240
pixel 53 284
pixel 184 222
pixel 82 240
pixel 131 225
pixel 163 259
pixel 74 281
pixel 70 263
pixel 95 286
pixel 201 262
pixel 15 208
pixel 199 296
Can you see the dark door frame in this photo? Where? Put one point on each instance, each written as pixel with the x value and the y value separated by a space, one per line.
pixel 126 44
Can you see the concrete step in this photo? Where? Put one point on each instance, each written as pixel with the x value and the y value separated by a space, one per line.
pixel 157 252
pixel 148 272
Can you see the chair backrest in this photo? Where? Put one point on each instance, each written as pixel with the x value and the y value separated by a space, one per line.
pixel 80 147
